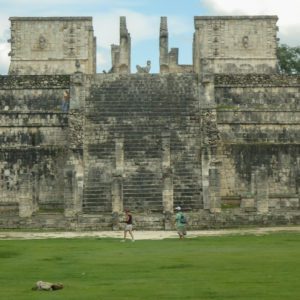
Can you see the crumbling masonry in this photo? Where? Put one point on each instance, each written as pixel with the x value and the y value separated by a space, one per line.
pixel 220 137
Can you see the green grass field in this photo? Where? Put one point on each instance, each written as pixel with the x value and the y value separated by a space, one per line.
pixel 225 267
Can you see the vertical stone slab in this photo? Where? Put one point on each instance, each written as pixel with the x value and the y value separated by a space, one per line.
pixel 69 190
pixel 208 89
pixel 121 54
pixel 210 137
pixel 125 47
pixel 205 179
pixel 117 180
pixel 211 181
pixel 78 194
pixel 261 190
pixel 119 142
pixel 167 173
pixel 163 45
pixel 26 205
pixel 117 194
pixel 74 172
pixel 115 58
pixel 167 179
pixel 214 190
pixel 73 185
pixel 77 91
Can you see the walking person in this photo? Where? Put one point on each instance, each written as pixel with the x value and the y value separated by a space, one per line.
pixel 128 225
pixel 180 222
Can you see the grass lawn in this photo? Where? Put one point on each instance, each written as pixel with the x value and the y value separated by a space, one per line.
pixel 225 267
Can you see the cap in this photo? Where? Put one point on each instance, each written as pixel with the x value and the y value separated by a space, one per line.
pixel 178 208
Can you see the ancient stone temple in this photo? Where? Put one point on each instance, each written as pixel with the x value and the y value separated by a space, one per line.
pixel 220 137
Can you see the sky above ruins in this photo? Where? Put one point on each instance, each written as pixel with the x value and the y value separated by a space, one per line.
pixel 143 18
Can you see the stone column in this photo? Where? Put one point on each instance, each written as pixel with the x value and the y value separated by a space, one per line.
pixel 173 57
pixel 211 181
pixel 167 180
pixel 205 178
pixel 125 47
pixel 115 58
pixel 117 180
pixel 261 189
pixel 210 138
pixel 74 169
pixel 77 91
pixel 163 45
pixel 26 205
pixel 214 190
pixel 73 191
pixel 208 89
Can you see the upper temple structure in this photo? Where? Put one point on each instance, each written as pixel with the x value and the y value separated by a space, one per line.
pixel 220 137
pixel 51 45
pixel 221 45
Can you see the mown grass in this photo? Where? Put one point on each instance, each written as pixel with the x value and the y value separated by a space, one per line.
pixel 226 267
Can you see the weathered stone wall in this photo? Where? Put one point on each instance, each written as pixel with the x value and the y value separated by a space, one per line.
pixel 225 149
pixel 258 121
pixel 33 138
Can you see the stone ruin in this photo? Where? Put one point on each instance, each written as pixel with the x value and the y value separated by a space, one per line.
pixel 220 137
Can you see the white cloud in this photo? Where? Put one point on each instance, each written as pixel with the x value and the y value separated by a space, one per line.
pixel 103 60
pixel 4 58
pixel 140 27
pixel 31 3
pixel 287 11
pixel 4 45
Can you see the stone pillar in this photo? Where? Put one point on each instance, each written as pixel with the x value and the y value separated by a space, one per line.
pixel 77 91
pixel 117 194
pixel 125 47
pixel 167 180
pixel 208 89
pixel 73 191
pixel 26 205
pixel 205 178
pixel 261 189
pixel 78 194
pixel 73 173
pixel 163 45
pixel 115 57
pixel 210 138
pixel 117 180
pixel 173 57
pixel 211 181
pixel 69 190
pixel 214 190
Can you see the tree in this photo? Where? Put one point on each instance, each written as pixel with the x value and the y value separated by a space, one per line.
pixel 288 59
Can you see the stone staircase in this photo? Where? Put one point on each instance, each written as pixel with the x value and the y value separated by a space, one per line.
pixel 137 109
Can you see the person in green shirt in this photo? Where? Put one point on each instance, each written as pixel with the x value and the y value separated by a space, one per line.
pixel 180 222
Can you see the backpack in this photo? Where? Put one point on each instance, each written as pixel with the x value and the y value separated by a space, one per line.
pixel 183 219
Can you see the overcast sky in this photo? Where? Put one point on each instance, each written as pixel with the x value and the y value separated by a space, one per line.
pixel 143 17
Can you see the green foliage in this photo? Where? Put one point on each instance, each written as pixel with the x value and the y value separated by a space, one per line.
pixel 226 267
pixel 288 59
